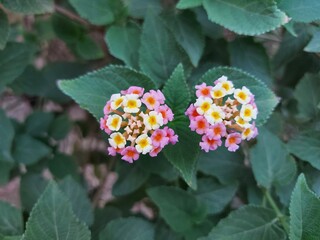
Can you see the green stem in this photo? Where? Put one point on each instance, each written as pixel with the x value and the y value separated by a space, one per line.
pixel 279 214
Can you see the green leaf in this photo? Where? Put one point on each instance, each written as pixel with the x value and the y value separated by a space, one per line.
pixel 314 45
pixel 7 130
pixel 52 218
pixel 304 212
pixel 88 49
pixel 251 57
pixel 124 43
pixel 4 29
pixel 271 163
pixel 164 232
pixel 5 168
pixel 306 11
pixel 29 6
pixel 183 4
pixel 139 8
pixel 247 17
pixel 28 150
pixel 222 164
pixel 265 99
pixel 159 53
pixel 62 165
pixel 214 195
pixel 248 222
pixel 93 90
pixel 78 198
pixel 180 209
pixel 306 146
pixel 11 238
pixel 188 34
pixel 13 60
pixel 37 124
pixel 183 155
pixel 177 92
pixel 307 95
pixel 11 220
pixel 131 228
pixel 60 127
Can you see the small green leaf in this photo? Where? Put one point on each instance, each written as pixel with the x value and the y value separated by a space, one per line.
pixel 124 43
pixel 4 29
pixel 304 212
pixel 180 209
pixel 52 218
pixel 177 92
pixel 28 150
pixel 314 45
pixel 271 163
pixel 248 222
pixel 7 130
pixel 37 124
pixel 306 11
pixel 60 127
pixel 88 49
pixel 265 99
pixel 307 95
pixel 139 8
pixel 214 195
pixel 29 6
pixel 306 146
pixel 131 228
pixel 184 4
pixel 93 90
pixel 62 165
pixel 248 17
pixel 11 220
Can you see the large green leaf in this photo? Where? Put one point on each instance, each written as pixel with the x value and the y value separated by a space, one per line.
pixel 306 146
pixel 301 11
pixel 93 90
pixel 183 155
pixel 265 99
pixel 132 228
pixel 271 162
pixel 81 205
pixel 4 29
pixel 124 43
pixel 29 6
pixel 248 17
pixel 214 195
pixel 304 212
pixel 52 218
pixel 159 53
pixel 11 220
pixel 28 150
pixel 177 92
pixel 180 209
pixel 183 4
pixel 308 97
pixel 248 222
pixel 251 57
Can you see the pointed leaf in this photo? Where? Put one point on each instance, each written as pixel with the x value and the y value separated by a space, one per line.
pixel 4 29
pixel 183 4
pixel 314 45
pixel 11 220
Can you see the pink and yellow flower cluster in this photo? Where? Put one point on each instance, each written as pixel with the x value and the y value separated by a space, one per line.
pixel 222 112
pixel 135 122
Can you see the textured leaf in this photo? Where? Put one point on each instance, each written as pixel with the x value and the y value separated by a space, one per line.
pixel 139 8
pixel 214 195
pixel 132 228
pixel 11 220
pixel 183 155
pixel 62 165
pixel 265 99
pixel 124 43
pixel 307 95
pixel 304 212
pixel 177 92
pixel 159 54
pixel 52 218
pixel 28 150
pixel 60 127
pixel 251 57
pixel 93 90
pixel 180 209
pixel 306 146
pixel 248 17
pixel 248 222
pixel 183 4
pixel 188 34
pixel 4 29
pixel 88 49
pixel 37 124
pixel 81 205
pixel 314 45
pixel 29 6
pixel 301 11
pixel 271 162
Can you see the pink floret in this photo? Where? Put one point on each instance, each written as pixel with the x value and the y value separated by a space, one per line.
pixel 129 154
pixel 232 142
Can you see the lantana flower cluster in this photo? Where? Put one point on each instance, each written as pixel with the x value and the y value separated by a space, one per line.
pixel 222 112
pixel 135 122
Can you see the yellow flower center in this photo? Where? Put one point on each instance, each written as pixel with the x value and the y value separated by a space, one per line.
pixel 115 122
pixel 226 86
pixel 152 120
pixel 215 115
pixel 143 143
pixel 132 103
pixel 218 94
pixel 247 112
pixel 242 95
pixel 118 101
pixel 205 106
pixel 118 139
